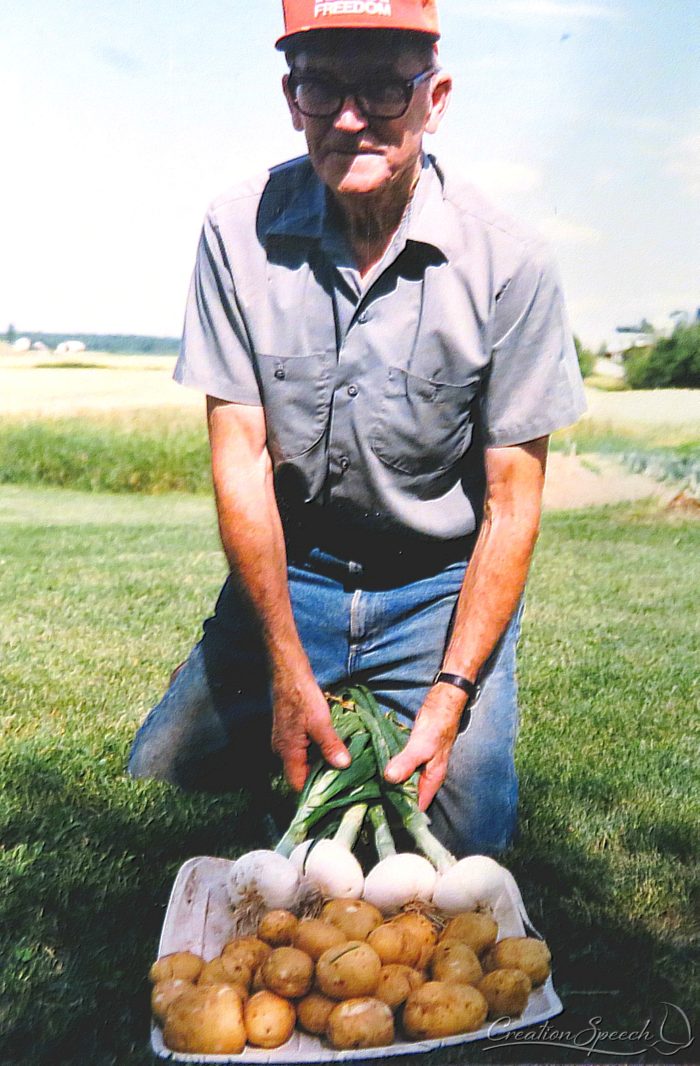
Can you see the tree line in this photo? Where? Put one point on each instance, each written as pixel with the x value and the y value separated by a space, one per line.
pixel 117 343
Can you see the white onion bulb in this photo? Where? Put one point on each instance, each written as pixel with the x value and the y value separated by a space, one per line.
pixel 330 868
pixel 266 874
pixel 398 880
pixel 474 883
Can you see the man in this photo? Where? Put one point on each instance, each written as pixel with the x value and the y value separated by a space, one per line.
pixel 384 356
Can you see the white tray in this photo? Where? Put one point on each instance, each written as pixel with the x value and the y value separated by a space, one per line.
pixel 199 919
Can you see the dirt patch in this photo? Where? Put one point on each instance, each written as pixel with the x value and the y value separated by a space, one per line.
pixel 575 481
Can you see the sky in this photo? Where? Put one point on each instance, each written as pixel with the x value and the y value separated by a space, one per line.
pixel 121 119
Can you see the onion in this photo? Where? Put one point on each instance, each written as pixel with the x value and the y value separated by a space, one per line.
pixel 474 883
pixel 399 879
pixel 264 874
pixel 329 867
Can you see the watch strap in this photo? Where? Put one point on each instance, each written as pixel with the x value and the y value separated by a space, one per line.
pixel 470 687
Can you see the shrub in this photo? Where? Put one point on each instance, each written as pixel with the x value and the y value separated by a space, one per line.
pixel 586 359
pixel 673 362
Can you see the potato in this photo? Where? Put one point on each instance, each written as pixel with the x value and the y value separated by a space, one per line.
pixel 247 949
pixel 520 953
pixel 237 970
pixel 359 1023
pixel 396 982
pixel 217 972
pixel 356 918
pixel 277 928
pixel 348 970
pixel 179 964
pixel 389 942
pixel 439 1009
pixel 206 1020
pixel 288 972
pixel 269 1019
pixel 315 936
pixel 421 938
pixel 506 992
pixel 313 1011
pixel 258 982
pixel 454 961
pixel 164 995
pixel 477 930
pixel 213 973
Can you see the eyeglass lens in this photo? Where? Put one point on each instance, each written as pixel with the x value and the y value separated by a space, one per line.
pixel 321 98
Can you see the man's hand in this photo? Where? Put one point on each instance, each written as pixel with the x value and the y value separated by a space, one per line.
pixel 301 715
pixel 430 742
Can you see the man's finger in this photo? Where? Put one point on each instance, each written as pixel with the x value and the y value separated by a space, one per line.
pixel 430 782
pixel 332 747
pixel 406 762
pixel 296 770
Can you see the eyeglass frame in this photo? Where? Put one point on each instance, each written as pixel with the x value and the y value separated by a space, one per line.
pixel 408 86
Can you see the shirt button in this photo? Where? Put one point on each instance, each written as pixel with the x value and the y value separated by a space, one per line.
pixel 352 390
pixel 280 373
pixel 344 462
pixel 363 317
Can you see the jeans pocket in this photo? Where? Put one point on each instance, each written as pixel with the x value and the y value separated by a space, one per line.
pixel 422 426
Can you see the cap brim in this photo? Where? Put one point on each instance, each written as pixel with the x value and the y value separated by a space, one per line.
pixel 291 40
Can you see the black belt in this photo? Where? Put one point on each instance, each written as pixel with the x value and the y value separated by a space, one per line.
pixel 369 558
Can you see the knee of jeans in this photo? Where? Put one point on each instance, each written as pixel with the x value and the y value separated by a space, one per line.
pixel 150 759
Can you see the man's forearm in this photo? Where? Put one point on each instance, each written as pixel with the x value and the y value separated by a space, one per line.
pixel 251 533
pixel 493 585
pixel 253 541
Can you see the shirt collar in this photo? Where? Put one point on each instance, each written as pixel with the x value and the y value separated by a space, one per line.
pixel 306 214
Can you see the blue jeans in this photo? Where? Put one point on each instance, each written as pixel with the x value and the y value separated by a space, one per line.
pixel 212 727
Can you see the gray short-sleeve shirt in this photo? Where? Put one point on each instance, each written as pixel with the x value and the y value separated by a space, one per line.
pixel 381 393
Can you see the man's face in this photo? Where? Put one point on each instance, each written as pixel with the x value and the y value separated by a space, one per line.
pixel 356 155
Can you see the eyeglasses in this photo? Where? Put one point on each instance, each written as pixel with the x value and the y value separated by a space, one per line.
pixel 319 97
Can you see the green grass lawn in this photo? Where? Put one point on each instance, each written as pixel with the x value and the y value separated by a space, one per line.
pixel 102 595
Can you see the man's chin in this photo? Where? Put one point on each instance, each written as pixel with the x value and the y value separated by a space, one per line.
pixel 363 175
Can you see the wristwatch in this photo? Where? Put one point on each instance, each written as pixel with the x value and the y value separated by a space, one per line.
pixel 470 687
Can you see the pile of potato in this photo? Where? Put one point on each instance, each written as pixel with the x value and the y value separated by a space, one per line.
pixel 349 976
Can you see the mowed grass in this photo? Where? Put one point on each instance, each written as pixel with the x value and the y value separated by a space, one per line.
pixel 103 595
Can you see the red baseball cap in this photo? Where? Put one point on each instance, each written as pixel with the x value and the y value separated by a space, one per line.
pixel 302 16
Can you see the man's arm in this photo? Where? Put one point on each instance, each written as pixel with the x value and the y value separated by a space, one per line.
pixel 492 587
pixel 251 534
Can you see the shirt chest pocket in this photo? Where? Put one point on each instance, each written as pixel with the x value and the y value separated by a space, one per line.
pixel 296 394
pixel 422 426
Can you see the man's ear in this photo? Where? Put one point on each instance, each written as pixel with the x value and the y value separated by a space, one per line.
pixel 297 120
pixel 440 97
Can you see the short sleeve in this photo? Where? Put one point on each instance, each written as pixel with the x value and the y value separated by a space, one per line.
pixel 215 353
pixel 533 385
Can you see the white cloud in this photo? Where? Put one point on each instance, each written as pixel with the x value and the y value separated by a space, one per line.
pixel 508 9
pixel 560 230
pixel 684 162
pixel 500 177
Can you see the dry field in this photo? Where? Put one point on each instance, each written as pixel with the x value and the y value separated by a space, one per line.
pixel 30 385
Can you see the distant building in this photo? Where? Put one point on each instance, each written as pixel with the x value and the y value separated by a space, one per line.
pixel 39 346
pixel 70 347
pixel 22 344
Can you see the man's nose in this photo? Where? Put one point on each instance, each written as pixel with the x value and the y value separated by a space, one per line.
pixel 350 118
